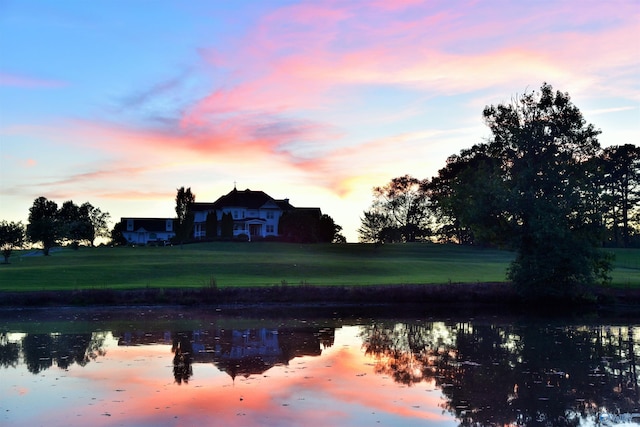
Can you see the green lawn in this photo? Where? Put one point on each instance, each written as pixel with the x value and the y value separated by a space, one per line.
pixel 258 264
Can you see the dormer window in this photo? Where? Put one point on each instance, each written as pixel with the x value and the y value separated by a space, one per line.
pixel 129 225
pixel 169 225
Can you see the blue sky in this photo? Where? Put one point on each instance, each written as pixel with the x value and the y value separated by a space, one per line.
pixel 121 102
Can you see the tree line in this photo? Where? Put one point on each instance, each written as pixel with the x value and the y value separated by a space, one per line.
pixel 541 185
pixel 50 225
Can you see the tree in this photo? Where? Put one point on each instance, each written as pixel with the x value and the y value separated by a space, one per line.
pixel 211 225
pixel 226 226
pixel 117 238
pixel 12 236
pixel 404 204
pixel 184 223
pixel 74 223
pixel 544 145
pixel 98 220
pixel 466 199
pixel 43 226
pixel 82 223
pixel 621 189
pixel 329 231
pixel 375 227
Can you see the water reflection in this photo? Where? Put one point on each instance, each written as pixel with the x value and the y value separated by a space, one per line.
pixel 465 372
pixel 238 352
pixel 494 374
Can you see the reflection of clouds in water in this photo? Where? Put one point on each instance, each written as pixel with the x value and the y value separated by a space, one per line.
pixel 134 385
pixel 385 370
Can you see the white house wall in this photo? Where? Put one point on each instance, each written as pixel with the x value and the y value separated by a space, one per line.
pixel 269 225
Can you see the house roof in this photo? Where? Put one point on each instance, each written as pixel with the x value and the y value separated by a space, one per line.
pixel 248 199
pixel 149 224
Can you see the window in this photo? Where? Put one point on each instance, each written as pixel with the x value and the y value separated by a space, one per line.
pixel 270 228
pixel 269 214
pixel 129 225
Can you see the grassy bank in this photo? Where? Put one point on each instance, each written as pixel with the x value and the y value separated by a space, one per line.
pixel 225 265
pixel 252 264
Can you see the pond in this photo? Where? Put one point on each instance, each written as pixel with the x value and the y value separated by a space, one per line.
pixel 150 366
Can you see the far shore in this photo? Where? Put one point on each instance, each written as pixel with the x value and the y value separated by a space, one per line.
pixel 450 296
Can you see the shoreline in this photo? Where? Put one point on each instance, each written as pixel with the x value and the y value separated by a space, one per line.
pixel 498 295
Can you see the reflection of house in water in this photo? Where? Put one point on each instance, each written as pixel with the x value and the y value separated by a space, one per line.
pixel 254 351
pixel 243 352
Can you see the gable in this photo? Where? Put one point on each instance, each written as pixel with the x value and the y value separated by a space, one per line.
pixel 148 224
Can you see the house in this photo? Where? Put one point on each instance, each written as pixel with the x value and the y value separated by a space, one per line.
pixel 143 231
pixel 255 214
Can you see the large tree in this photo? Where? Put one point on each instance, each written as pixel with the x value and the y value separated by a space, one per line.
pixel 12 236
pixel 403 203
pixel 43 226
pixel 544 145
pixel 184 224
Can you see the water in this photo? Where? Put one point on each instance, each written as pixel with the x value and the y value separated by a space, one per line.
pixel 329 367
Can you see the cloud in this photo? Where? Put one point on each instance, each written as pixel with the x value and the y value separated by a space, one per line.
pixel 27 82
pixel 156 90
pixel 611 110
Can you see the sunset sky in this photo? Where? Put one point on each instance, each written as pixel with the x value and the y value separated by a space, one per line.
pixel 119 102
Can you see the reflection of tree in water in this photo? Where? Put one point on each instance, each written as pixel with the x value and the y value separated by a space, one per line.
pixel 9 352
pixel 183 356
pixel 41 351
pixel 496 375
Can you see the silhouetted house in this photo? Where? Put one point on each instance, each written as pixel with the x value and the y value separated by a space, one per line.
pixel 254 214
pixel 144 231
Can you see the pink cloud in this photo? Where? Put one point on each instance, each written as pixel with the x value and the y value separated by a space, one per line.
pixel 422 50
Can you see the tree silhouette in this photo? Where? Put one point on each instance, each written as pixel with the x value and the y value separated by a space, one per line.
pixel 183 357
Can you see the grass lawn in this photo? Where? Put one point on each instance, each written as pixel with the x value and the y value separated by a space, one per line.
pixel 260 264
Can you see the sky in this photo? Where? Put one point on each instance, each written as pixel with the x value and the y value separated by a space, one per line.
pixel 120 102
